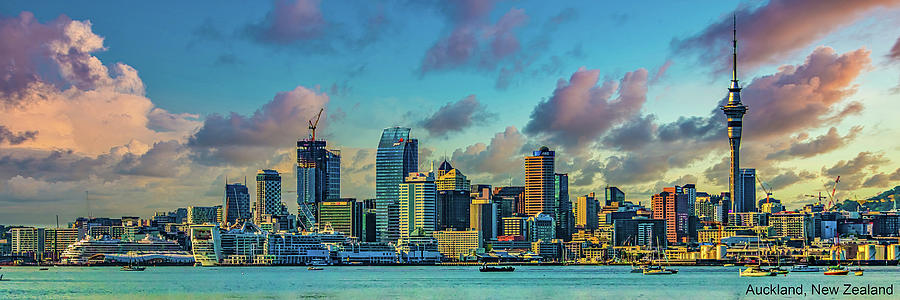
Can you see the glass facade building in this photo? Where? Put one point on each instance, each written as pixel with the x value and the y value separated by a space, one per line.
pixel 318 177
pixel 237 203
pixel 397 156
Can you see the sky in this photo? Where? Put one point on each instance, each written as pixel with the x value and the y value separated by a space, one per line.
pixel 154 105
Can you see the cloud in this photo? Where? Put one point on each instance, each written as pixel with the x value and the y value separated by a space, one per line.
pixel 289 22
pixel 773 31
pixel 580 111
pixel 164 159
pixel 882 180
pixel 788 178
pixel 801 147
pixel 7 136
pixel 239 139
pixel 456 117
pixel 504 155
pixel 862 161
pixel 661 72
pixel 894 55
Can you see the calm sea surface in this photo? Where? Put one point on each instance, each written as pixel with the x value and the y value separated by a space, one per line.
pixel 548 282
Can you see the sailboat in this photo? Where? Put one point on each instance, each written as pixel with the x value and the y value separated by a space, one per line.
pixel 756 270
pixel 658 269
pixel 858 271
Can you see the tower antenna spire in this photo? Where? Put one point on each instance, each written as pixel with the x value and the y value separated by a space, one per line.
pixel 734 47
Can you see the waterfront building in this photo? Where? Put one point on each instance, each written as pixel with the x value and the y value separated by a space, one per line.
pixel 483 218
pixel 514 226
pixel 417 205
pixel 541 227
pixel 418 250
pixel 237 204
pixel 671 205
pixel 56 240
pixel 734 111
pixel 794 225
pixel 614 194
pixel 397 156
pixel 318 177
pixel 709 208
pixel 748 219
pixel 268 194
pixel 565 220
pixel 453 198
pixel 586 212
pixel 454 244
pixel 691 191
pixel 344 216
pixel 203 214
pixel 539 183
pixel 27 241
pixel 639 232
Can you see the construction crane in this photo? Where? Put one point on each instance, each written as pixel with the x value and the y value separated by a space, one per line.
pixel 819 198
pixel 763 185
pixel 312 125
pixel 833 189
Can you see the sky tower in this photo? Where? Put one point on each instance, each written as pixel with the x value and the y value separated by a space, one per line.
pixel 735 110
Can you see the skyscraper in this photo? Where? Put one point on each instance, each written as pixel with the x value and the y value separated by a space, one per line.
pixel 417 205
pixel 397 156
pixel 318 177
pixel 539 183
pixel 748 190
pixel 586 212
pixel 453 198
pixel 564 218
pixel 734 111
pixel 268 194
pixel 671 205
pixel 237 203
pixel 614 194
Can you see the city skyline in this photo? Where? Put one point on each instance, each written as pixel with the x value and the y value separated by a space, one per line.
pixel 84 108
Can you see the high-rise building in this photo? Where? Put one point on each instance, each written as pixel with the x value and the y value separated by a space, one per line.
pixel 318 176
pixel 565 220
pixel 514 226
pixel 483 218
pixel 586 212
pixel 794 225
pixel 639 232
pixel 417 205
pixel 511 200
pixel 397 156
pixel 691 191
pixel 734 111
pixel 27 241
pixel 453 198
pixel 671 205
pixel 539 183
pixel 746 201
pixel 342 215
pixel 614 194
pixel 237 203
pixel 454 244
pixel 268 194
pixel 541 227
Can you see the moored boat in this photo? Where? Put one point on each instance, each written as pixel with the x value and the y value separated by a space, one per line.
pixel 133 268
pixel 486 268
pixel 659 271
pixel 315 269
pixel 836 270
pixel 805 268
pixel 756 271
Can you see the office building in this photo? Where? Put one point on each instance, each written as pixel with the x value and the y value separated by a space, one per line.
pixel 514 226
pixel 639 232
pixel 417 205
pixel 671 205
pixel 203 214
pixel 237 203
pixel 746 201
pixel 586 212
pixel 539 183
pixel 541 227
pixel 27 241
pixel 57 239
pixel 691 191
pixel 510 200
pixel 793 225
pixel 268 194
pixel 454 244
pixel 483 218
pixel 318 173
pixel 453 198
pixel 614 195
pixel 397 156
pixel 344 216
pixel 565 220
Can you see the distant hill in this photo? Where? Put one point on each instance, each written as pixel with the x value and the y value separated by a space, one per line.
pixel 884 201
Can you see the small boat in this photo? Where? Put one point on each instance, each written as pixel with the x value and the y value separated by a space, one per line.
pixel 315 269
pixel 728 265
pixel 778 270
pixel 805 268
pixel 857 271
pixel 637 268
pixel 836 270
pixel 133 268
pixel 486 268
pixel 44 269
pixel 756 271
pixel 659 271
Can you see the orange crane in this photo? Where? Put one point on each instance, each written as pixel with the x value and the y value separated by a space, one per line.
pixel 763 185
pixel 833 189
pixel 312 125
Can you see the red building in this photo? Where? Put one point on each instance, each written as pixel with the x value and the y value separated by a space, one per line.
pixel 672 205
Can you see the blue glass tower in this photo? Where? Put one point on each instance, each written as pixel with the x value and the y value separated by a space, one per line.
pixel 397 156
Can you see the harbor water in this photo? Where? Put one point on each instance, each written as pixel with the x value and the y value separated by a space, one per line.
pixel 414 282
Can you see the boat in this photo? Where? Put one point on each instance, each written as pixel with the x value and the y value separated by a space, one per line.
pixel 131 268
pixel 836 270
pixel 805 268
pixel 756 271
pixel 778 270
pixel 858 272
pixel 315 269
pixel 728 265
pixel 486 268
pixel 44 269
pixel 638 268
pixel 658 270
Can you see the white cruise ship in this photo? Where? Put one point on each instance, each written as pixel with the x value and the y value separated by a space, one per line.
pixel 107 250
